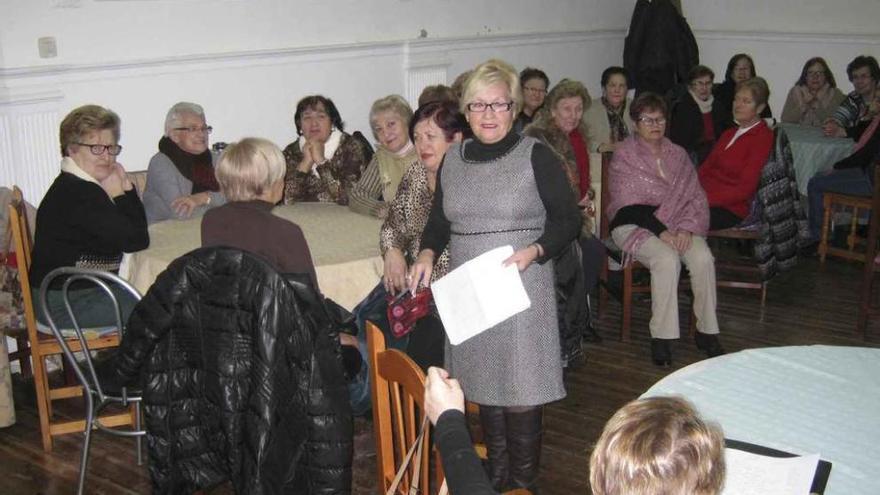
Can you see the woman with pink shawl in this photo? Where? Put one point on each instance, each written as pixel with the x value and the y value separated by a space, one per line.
pixel 660 216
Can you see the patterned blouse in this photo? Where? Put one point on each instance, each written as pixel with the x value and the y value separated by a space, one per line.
pixel 334 178
pixel 407 217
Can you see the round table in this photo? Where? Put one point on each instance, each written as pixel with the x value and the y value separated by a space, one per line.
pixel 802 400
pixel 344 247
pixel 812 151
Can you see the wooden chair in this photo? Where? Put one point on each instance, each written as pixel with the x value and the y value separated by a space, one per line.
pixel 630 285
pixel 749 267
pixel 398 390
pixel 43 345
pixel 867 308
pixel 858 204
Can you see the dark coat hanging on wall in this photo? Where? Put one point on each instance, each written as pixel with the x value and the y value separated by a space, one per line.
pixel 660 48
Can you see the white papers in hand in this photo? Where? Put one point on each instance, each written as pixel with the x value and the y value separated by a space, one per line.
pixel 479 295
pixel 754 474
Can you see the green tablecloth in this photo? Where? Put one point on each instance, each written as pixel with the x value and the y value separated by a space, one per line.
pixel 814 152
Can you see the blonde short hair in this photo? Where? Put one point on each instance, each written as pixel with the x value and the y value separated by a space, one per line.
pixel 85 120
pixel 248 168
pixel 658 445
pixel 488 73
pixel 392 103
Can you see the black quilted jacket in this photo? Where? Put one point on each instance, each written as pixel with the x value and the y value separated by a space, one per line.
pixel 242 380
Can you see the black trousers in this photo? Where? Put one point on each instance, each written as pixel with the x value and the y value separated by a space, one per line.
pixel 722 218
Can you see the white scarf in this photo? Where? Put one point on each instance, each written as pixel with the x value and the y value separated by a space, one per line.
pixel 70 166
pixel 330 147
pixel 705 106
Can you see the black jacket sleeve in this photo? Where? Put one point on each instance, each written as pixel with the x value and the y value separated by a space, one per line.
pixel 464 472
pixel 639 215
pixel 563 222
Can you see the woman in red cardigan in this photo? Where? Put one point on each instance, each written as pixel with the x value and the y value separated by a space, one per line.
pixel 731 172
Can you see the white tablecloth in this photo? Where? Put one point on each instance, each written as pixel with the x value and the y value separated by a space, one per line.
pixel 344 246
pixel 803 400
pixel 813 152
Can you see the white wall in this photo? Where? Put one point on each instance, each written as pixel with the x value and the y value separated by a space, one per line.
pixel 248 61
pixel 782 34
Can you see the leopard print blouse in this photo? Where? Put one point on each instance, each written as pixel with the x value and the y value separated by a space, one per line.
pixel 407 217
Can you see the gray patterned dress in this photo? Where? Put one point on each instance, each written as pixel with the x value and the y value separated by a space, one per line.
pixel 490 204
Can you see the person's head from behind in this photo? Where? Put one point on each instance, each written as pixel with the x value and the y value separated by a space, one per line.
pixel 389 118
pixel 658 445
pixel 864 73
pixel 437 92
pixel 250 169
pixel 90 136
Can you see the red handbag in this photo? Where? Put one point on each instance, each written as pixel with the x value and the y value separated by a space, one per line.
pixel 405 309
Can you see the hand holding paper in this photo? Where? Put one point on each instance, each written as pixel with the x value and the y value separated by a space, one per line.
pixel 481 293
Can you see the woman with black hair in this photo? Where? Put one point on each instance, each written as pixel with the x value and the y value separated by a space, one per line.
pixel 325 162
pixel 740 68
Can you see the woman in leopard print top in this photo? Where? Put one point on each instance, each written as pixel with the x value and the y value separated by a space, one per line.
pixel 432 129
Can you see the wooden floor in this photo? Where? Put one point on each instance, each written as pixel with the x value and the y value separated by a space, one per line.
pixel 810 305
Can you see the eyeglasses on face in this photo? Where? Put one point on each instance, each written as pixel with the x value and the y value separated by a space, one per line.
pixel 98 149
pixel 205 130
pixel 537 91
pixel 815 73
pixel 652 121
pixel 498 106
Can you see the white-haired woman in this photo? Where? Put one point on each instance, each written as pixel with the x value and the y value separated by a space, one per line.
pixel 497 189
pixel 180 177
pixel 377 187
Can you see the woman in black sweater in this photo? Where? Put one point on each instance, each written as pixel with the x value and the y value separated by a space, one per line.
pixel 89 216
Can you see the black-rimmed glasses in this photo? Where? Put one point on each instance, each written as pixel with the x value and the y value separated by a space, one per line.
pixel 98 149
pixel 498 106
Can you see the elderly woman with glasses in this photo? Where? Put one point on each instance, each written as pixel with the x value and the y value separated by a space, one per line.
pixel 324 163
pixel 697 119
pixel 498 189
pixel 659 217
pixel 740 68
pixel 180 177
pixel 377 187
pixel 90 215
pixel 815 97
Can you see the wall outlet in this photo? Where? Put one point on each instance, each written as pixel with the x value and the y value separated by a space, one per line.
pixel 48 47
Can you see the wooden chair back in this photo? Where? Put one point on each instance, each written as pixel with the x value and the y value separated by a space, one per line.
pixel 866 308
pixel 43 345
pixel 398 390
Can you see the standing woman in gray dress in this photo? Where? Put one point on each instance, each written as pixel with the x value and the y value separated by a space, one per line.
pixel 499 189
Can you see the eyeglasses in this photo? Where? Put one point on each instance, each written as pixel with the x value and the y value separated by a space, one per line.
pixel 652 121
pixel 815 72
pixel 498 106
pixel 98 149
pixel 537 91
pixel 204 130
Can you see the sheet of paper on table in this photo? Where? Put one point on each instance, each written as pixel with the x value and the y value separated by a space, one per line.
pixel 754 474
pixel 479 295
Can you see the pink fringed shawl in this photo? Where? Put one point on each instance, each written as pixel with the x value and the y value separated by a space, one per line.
pixel 635 180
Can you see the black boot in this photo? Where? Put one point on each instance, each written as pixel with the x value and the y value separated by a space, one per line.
pixel 661 352
pixel 524 431
pixel 494 427
pixel 709 343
